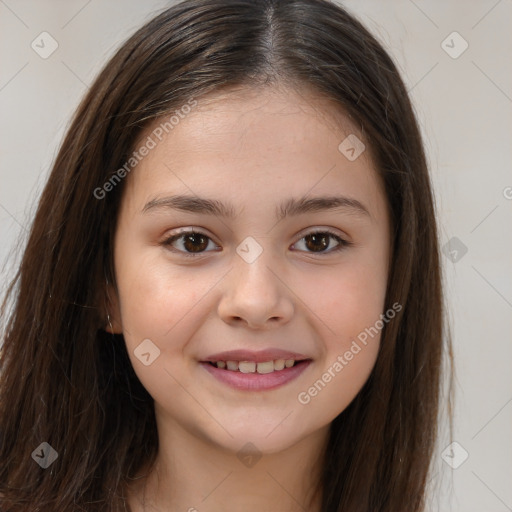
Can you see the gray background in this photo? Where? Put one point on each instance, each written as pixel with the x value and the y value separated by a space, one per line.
pixel 464 106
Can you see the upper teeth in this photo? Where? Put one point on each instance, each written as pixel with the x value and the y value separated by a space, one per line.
pixel 252 367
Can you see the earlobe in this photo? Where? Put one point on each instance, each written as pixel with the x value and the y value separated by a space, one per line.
pixel 113 326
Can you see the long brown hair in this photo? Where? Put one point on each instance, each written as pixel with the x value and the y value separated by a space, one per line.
pixel 65 381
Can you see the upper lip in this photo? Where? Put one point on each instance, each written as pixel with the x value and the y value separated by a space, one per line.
pixel 261 356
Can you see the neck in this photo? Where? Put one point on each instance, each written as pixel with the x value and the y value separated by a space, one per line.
pixel 192 474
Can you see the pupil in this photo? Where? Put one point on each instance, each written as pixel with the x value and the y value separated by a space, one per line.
pixel 317 238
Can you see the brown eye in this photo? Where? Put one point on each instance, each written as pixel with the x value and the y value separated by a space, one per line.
pixel 317 242
pixel 189 242
pixel 195 242
pixel 322 242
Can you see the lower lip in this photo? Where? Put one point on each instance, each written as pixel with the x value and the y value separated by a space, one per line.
pixel 256 381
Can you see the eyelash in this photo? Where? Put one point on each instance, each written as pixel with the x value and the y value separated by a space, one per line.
pixel 342 244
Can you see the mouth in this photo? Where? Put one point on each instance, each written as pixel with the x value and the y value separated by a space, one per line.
pixel 262 368
pixel 256 375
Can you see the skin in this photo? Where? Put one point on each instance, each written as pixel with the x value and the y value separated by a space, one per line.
pixel 252 149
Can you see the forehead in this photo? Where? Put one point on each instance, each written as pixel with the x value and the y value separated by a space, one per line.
pixel 242 111
pixel 271 106
pixel 269 138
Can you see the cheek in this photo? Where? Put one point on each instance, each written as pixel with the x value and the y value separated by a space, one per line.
pixel 349 302
pixel 162 305
pixel 347 298
pixel 336 385
pixel 156 296
pixel 165 304
pixel 351 307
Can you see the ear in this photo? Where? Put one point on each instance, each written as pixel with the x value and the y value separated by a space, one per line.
pixel 113 322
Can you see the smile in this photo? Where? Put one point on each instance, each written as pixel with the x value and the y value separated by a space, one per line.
pixel 254 367
pixel 252 376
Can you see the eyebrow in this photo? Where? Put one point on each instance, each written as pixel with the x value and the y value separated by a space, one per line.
pixel 290 207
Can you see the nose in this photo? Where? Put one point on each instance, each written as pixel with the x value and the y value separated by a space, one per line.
pixel 255 297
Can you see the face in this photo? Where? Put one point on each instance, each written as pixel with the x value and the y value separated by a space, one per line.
pixel 247 230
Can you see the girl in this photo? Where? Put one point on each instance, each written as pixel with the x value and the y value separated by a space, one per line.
pixel 230 298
